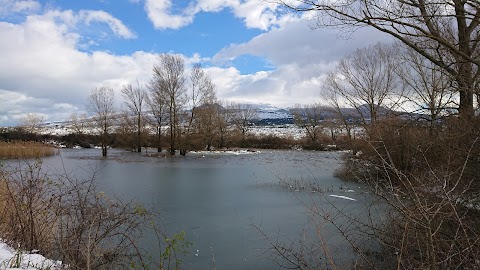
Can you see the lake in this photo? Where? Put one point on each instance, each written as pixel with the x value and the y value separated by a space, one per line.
pixel 215 197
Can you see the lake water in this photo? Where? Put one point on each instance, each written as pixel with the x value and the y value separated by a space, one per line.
pixel 215 197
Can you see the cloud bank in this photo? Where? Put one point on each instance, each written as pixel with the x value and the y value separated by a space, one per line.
pixel 45 69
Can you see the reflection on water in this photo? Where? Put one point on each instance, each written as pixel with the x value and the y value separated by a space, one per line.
pixel 214 197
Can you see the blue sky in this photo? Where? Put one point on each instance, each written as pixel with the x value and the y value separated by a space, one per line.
pixel 55 52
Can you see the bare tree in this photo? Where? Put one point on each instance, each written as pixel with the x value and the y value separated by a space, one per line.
pixel 135 98
pixel 431 89
pixel 101 105
pixel 206 125
pixel 335 105
pixel 366 81
pixel 308 117
pixel 243 117
pixel 444 32
pixel 157 104
pixel 78 123
pixel 223 118
pixel 31 122
pixel 201 93
pixel 169 74
pixel 125 129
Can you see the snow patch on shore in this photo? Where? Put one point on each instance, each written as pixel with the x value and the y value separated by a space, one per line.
pixel 11 259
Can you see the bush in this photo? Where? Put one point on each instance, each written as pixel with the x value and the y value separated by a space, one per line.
pixel 430 181
pixel 72 221
pixel 425 208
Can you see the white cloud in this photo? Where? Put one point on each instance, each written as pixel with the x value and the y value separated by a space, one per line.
pixel 297 42
pixel 213 5
pixel 7 7
pixel 101 16
pixel 42 71
pixel 69 19
pixel 26 6
pixel 283 87
pixel 301 57
pixel 16 105
pixel 159 13
pixel 255 14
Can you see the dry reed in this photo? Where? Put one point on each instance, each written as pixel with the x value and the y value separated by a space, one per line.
pixel 20 150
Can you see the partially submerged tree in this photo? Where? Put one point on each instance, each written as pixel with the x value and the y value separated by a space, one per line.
pixel 157 103
pixel 169 76
pixel 200 93
pixel 135 98
pixel 101 105
pixel 444 32
pixel 222 119
pixel 125 130
pixel 207 125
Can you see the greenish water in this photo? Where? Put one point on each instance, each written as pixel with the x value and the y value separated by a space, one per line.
pixel 215 197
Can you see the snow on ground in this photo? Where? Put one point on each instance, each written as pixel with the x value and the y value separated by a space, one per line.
pixel 11 259
pixel 284 131
pixel 227 152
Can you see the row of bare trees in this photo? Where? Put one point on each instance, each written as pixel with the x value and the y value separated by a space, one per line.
pixel 183 102
pixel 375 83
pixel 444 33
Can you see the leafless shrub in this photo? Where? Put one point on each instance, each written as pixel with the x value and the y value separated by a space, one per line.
pixel 71 220
pixel 422 210
pixel 26 217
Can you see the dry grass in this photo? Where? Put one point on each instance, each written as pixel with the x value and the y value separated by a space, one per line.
pixel 18 150
pixel 3 191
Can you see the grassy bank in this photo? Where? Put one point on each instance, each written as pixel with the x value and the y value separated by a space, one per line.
pixel 20 149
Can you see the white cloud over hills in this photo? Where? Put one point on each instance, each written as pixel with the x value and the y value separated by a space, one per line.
pixel 42 66
pixel 45 69
pixel 301 56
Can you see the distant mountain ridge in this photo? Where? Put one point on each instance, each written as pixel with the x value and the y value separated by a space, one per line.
pixel 268 115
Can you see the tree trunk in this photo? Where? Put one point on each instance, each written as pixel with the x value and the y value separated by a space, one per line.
pixel 139 134
pixel 465 68
pixel 172 131
pixel 159 140
pixel 465 108
pixel 221 143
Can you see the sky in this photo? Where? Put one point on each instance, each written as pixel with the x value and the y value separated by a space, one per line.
pixel 53 53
